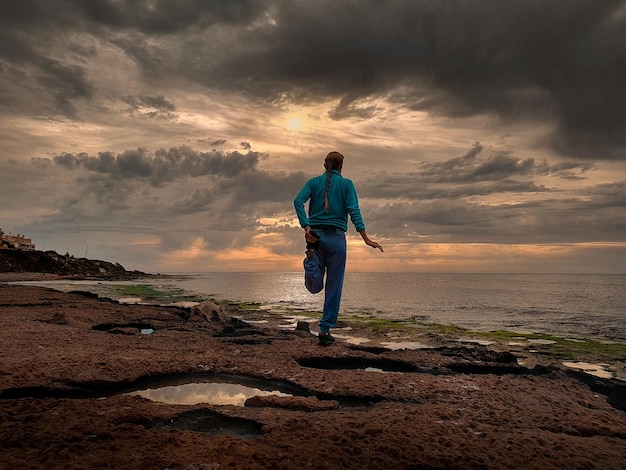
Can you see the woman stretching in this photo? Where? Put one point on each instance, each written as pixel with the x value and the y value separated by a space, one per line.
pixel 332 198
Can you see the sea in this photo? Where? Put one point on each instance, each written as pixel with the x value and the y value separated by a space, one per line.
pixel 566 305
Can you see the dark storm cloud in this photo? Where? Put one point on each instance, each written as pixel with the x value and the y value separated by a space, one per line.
pixel 153 107
pixel 229 183
pixel 64 81
pixel 36 36
pixel 479 172
pixel 150 16
pixel 459 221
pixel 245 193
pixel 67 82
pixel 561 61
pixel 212 142
pixel 160 166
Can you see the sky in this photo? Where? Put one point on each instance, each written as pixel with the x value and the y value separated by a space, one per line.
pixel 173 135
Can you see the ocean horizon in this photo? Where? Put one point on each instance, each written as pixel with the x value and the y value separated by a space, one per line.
pixel 576 305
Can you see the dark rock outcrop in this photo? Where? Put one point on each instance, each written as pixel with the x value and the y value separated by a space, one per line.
pixel 15 261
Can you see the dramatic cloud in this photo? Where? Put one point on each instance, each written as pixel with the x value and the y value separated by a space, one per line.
pixel 519 60
pixel 476 173
pixel 162 166
pixel 182 129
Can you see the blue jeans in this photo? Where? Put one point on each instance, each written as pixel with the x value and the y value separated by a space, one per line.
pixel 330 260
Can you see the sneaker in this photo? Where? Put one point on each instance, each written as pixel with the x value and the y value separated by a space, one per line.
pixel 313 245
pixel 325 339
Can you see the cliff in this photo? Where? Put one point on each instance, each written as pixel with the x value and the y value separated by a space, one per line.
pixel 15 261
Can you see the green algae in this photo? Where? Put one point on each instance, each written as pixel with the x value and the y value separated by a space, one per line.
pixel 149 293
pixel 243 305
pixel 563 348
pixel 542 343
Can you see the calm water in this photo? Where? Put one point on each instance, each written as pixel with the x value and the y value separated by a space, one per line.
pixel 571 304
pixel 577 304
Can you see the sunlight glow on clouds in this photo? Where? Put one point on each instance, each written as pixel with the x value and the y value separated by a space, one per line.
pixel 174 136
pixel 294 124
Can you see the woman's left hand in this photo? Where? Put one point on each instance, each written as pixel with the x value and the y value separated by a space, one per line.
pixel 373 244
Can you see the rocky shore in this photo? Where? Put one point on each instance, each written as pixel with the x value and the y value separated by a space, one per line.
pixel 69 363
pixel 29 263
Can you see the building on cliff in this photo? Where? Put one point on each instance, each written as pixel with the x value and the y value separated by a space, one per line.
pixel 15 242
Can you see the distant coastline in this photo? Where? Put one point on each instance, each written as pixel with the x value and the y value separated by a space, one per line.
pixel 48 264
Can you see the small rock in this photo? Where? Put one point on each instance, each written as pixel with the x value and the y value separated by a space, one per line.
pixel 210 311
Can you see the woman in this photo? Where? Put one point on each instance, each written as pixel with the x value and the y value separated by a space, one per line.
pixel 332 199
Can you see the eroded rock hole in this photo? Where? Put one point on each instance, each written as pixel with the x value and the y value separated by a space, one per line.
pixel 117 326
pixel 496 369
pixel 390 365
pixel 213 393
pixel 210 423
pixel 187 389
pixel 356 363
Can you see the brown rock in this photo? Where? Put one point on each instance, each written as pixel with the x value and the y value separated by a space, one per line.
pixel 291 403
pixel 210 311
pixel 62 400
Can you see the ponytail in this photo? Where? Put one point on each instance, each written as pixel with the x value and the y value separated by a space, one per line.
pixel 334 161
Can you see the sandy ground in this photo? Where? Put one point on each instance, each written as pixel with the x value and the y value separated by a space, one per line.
pixel 67 361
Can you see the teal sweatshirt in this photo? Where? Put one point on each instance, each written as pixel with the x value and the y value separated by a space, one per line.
pixel 342 201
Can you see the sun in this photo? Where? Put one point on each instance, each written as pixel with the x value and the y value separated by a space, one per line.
pixel 294 124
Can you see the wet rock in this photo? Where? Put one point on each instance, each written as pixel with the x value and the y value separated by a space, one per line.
pixel 210 311
pixel 53 262
pixel 123 331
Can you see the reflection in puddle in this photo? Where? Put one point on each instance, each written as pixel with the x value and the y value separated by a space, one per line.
pixel 374 369
pixel 542 341
pixel 354 339
pixel 599 370
pixel 183 303
pixel 482 342
pixel 211 393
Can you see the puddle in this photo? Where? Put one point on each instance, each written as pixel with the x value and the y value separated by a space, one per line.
pixel 481 342
pixel 355 363
pixel 184 303
pixel 354 339
pixel 214 393
pixel 541 341
pixel 129 300
pixel 374 369
pixel 185 389
pixel 598 370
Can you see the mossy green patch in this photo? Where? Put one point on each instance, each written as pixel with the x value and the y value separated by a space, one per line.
pixel 245 305
pixel 440 328
pixel 149 293
pixel 563 348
